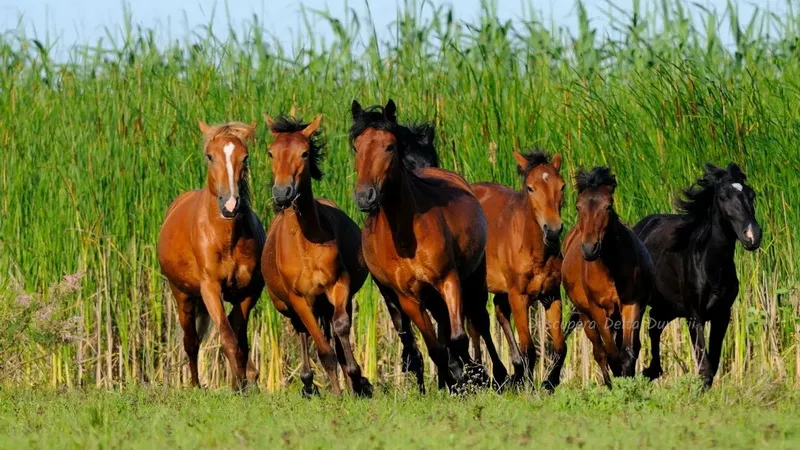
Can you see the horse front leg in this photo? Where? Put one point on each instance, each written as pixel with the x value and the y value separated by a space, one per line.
pixel 630 314
pixel 211 291
pixel 719 326
pixel 339 296
pixel 438 352
pixel 411 357
pixel 552 314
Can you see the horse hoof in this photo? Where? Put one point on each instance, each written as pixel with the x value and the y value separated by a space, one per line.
pixel 475 377
pixel 310 391
pixel 412 360
pixel 652 373
pixel 363 388
pixel 550 386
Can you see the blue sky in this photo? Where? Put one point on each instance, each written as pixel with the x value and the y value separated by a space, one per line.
pixel 69 22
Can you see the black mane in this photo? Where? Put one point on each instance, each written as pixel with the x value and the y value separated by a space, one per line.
pixel 697 203
pixel 535 158
pixel 288 124
pixel 416 140
pixel 597 177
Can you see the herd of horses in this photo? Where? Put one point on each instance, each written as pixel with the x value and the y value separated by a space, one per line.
pixel 436 246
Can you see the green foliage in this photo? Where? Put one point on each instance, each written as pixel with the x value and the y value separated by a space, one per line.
pixel 95 149
pixel 641 416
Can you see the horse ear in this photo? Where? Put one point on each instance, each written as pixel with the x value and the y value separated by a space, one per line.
pixel 556 163
pixel 268 120
pixel 390 111
pixel 522 161
pixel 204 127
pixel 246 132
pixel 356 109
pixel 312 127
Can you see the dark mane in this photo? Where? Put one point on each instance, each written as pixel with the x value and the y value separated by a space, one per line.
pixel 597 177
pixel 696 204
pixel 416 140
pixel 288 124
pixel 535 158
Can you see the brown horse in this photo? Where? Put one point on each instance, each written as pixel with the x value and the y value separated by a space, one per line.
pixel 607 273
pixel 312 262
pixel 209 248
pixel 522 256
pixel 424 239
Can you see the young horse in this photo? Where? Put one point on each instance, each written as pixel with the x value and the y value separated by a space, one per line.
pixel 209 248
pixel 312 262
pixel 522 256
pixel 693 255
pixel 424 239
pixel 607 274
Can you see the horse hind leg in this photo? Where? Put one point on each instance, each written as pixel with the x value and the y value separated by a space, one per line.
pixel 188 317
pixel 477 296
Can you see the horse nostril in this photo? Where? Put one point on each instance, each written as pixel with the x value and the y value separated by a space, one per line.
pixel 371 194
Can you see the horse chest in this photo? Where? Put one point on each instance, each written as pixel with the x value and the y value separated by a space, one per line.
pixel 310 271
pixel 405 275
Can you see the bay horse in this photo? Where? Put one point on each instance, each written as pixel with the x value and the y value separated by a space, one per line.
pixel 424 240
pixel 523 258
pixel 209 248
pixel 607 274
pixel 312 262
pixel 693 253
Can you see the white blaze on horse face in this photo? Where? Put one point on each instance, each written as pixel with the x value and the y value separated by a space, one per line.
pixel 737 186
pixel 544 176
pixel 748 233
pixel 228 149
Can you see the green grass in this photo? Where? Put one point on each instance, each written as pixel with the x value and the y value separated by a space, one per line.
pixel 634 415
pixel 95 148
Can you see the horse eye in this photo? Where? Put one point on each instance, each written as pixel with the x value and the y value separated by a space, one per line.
pixel 391 148
pixel 563 187
pixel 209 157
pixel 530 189
pixel 245 159
pixel 305 155
pixel 723 198
pixel 269 154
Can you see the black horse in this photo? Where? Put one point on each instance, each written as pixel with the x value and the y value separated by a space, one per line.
pixel 693 257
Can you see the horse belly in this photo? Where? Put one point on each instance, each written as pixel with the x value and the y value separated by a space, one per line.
pixel 175 252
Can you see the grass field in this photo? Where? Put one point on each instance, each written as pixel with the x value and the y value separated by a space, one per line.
pixel 96 146
pixel 635 415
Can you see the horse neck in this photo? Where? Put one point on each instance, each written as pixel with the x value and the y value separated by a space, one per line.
pixel 612 249
pixel 721 240
pixel 533 237
pixel 304 212
pixel 398 196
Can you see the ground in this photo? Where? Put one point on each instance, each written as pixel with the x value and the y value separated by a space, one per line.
pixel 669 414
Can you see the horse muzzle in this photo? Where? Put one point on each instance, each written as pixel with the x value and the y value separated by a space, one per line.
pixel 367 199
pixel 228 205
pixel 591 250
pixel 283 194
pixel 751 237
pixel 552 235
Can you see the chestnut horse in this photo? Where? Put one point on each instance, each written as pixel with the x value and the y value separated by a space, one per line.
pixel 424 239
pixel 209 248
pixel 523 258
pixel 607 273
pixel 695 270
pixel 312 262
